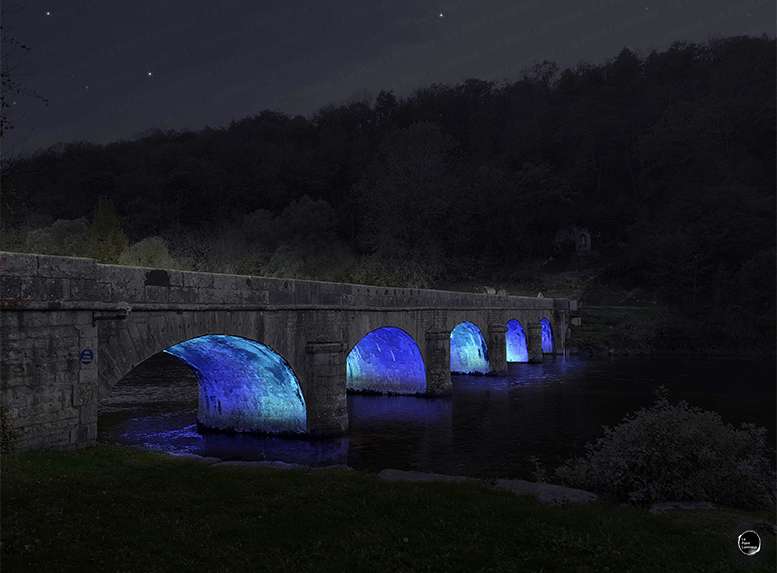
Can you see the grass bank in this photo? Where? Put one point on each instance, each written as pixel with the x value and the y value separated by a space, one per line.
pixel 610 329
pixel 656 329
pixel 111 508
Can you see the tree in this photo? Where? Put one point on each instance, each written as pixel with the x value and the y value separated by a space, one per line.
pixel 407 192
pixel 149 252
pixel 107 238
pixel 668 160
pixel 10 87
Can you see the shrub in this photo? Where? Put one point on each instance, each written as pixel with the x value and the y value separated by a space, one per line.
pixel 13 240
pixel 329 263
pixel 376 270
pixel 285 262
pixel 149 252
pixel 216 249
pixel 107 238
pixel 306 220
pixel 673 451
pixel 66 237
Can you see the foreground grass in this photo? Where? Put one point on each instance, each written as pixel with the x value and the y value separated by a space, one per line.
pixel 119 509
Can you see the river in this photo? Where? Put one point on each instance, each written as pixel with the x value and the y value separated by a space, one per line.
pixel 489 427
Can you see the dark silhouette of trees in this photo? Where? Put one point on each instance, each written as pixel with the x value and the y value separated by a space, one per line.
pixel 668 159
pixel 11 87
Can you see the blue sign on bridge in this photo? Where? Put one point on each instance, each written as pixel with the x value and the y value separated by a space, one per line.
pixel 86 356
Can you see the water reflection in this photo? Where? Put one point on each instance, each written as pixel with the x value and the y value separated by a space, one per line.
pixel 489 427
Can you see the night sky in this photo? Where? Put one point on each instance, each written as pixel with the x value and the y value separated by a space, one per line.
pixel 113 69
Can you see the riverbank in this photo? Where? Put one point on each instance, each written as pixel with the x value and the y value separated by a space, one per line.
pixel 628 330
pixel 616 320
pixel 112 508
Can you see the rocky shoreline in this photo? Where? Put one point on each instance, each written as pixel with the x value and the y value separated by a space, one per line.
pixel 545 493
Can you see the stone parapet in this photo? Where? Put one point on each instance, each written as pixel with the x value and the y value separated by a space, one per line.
pixel 29 281
pixel 71 328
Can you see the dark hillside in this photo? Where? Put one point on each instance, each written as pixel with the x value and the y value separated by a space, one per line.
pixel 666 159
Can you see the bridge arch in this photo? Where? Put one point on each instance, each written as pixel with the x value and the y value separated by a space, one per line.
pixel 515 340
pixel 547 335
pixel 100 321
pixel 388 360
pixel 122 345
pixel 469 353
pixel 244 385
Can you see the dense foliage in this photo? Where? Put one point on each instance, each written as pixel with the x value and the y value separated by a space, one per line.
pixel 673 451
pixel 668 160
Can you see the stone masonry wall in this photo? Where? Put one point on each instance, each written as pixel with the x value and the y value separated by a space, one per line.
pixel 71 327
pixel 29 280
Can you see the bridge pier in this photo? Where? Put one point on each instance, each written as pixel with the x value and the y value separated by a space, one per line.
pixel 71 328
pixel 325 388
pixel 85 399
pixel 497 348
pixel 534 342
pixel 438 362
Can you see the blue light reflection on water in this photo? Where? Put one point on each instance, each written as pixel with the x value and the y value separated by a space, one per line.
pixel 468 350
pixel 386 360
pixel 547 335
pixel 489 427
pixel 244 385
pixel 177 433
pixel 515 338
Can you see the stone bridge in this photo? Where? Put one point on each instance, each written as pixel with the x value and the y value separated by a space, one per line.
pixel 71 328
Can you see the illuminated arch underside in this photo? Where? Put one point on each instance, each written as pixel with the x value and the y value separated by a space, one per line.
pixel 244 385
pixel 516 342
pixel 547 335
pixel 386 360
pixel 468 350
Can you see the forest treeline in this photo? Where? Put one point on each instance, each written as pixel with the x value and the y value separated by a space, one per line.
pixel 668 159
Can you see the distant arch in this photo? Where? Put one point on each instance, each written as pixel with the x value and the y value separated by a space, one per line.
pixel 386 360
pixel 515 338
pixel 547 335
pixel 244 385
pixel 469 354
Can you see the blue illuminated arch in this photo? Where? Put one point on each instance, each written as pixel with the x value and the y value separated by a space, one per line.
pixel 244 385
pixel 386 360
pixel 468 350
pixel 547 336
pixel 516 342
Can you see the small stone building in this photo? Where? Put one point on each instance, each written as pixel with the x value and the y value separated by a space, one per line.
pixel 578 238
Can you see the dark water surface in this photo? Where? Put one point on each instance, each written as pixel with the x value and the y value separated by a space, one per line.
pixel 489 427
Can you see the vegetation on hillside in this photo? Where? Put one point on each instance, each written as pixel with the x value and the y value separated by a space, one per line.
pixel 668 159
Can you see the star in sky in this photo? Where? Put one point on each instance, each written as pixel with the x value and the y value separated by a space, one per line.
pixel 396 50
